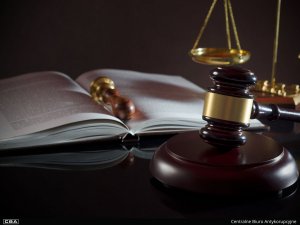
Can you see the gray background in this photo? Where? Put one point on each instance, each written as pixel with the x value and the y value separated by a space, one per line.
pixel 150 35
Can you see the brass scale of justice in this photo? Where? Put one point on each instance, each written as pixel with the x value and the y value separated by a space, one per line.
pixel 221 159
pixel 231 56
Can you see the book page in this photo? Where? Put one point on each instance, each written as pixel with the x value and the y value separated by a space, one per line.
pixel 39 101
pixel 164 103
pixel 159 99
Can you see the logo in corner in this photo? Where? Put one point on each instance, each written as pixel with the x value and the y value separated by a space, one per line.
pixel 10 221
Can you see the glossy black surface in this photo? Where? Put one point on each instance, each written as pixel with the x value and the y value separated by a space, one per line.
pixel 118 185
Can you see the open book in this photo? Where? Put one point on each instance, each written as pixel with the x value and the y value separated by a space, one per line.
pixel 45 108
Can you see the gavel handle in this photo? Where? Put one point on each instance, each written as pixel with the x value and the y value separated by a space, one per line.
pixel 273 112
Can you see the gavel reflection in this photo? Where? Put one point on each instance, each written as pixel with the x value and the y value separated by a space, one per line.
pixel 229 106
pixel 103 91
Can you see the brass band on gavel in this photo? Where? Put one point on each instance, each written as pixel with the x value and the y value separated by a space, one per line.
pixel 227 108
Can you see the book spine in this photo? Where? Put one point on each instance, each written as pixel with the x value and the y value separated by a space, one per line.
pixel 128 141
pixel 130 138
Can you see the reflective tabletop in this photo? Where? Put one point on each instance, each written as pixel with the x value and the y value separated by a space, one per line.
pixel 88 184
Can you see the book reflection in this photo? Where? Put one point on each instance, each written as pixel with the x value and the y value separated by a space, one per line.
pixel 78 160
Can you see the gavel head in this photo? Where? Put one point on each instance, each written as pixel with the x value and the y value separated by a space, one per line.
pixel 227 107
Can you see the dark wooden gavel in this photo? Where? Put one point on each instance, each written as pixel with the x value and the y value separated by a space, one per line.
pixel 103 91
pixel 229 106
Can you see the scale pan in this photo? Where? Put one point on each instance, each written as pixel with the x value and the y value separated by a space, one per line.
pixel 219 56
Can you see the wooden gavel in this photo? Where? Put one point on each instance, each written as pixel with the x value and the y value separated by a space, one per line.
pixel 229 106
pixel 103 91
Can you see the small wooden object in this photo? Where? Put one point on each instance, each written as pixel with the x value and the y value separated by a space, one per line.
pixel 103 91
pixel 222 159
